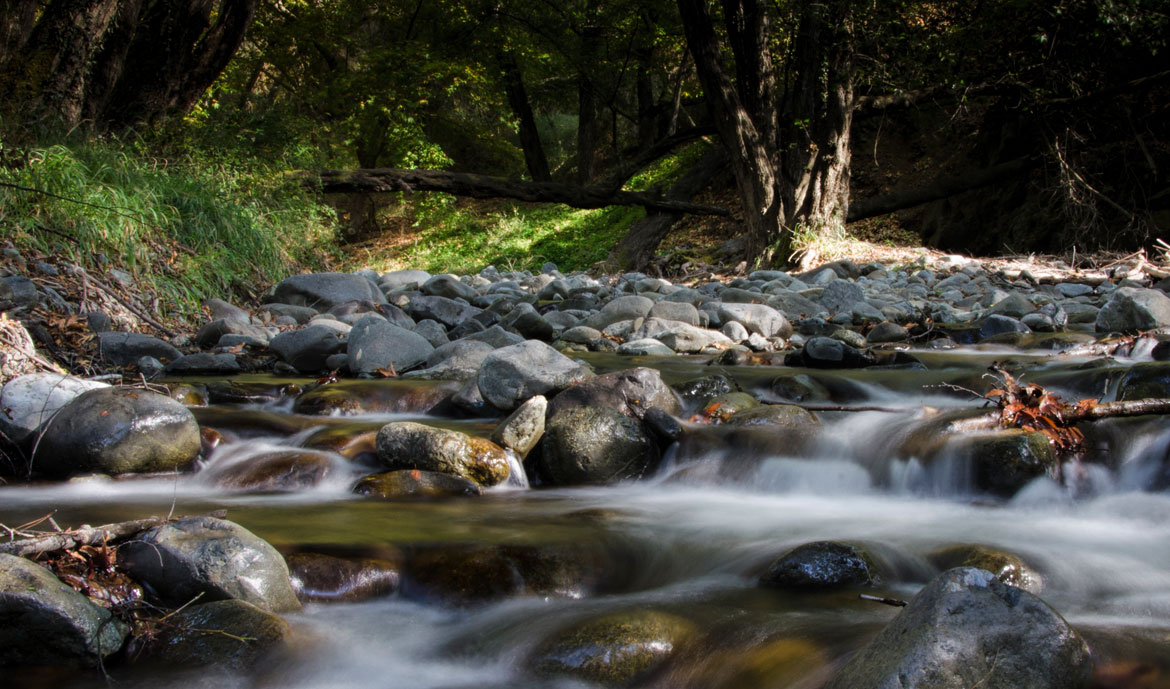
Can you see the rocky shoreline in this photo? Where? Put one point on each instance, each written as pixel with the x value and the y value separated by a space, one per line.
pixel 504 346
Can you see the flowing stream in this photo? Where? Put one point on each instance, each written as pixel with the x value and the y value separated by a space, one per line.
pixel 693 539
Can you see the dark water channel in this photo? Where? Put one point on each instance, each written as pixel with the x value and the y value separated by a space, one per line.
pixel 691 541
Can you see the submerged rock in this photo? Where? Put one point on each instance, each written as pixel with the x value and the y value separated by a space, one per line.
pixel 414 483
pixel 318 578
pixel 43 621
pixel 821 565
pixel 278 471
pixel 967 628
pixel 410 445
pixel 614 650
pixel 1004 461
pixel 213 557
pixel 116 431
pixel 595 446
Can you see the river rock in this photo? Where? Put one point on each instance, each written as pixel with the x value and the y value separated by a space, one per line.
pixel 887 332
pixel 757 318
pixel 595 446
pixel 318 578
pixel 1004 461
pixel 698 392
pixel 826 352
pixel 820 566
pixel 728 405
pixel 117 431
pixel 688 339
pixel 230 634
pixel 1143 380
pixel 446 285
pixel 307 349
pixel 524 319
pixel 214 557
pixel 322 291
pixel 19 290
pixel 300 314
pixel 46 622
pixel 966 628
pixel 615 650
pixel 647 346
pixel 375 344
pixel 410 445
pixel 1006 567
pixel 459 360
pixel 211 333
pixel 279 471
pixel 414 483
pixel 204 364
pixel 621 309
pixel 403 278
pixel 29 400
pixel 523 428
pixel 779 416
pixel 1131 309
pixel 448 312
pixel 510 375
pixel 221 309
pixel 630 392
pixel 124 349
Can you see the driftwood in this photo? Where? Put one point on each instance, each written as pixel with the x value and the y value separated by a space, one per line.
pixel 381 180
pixel 87 535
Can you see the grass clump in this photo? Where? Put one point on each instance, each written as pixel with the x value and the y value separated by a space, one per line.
pixel 187 227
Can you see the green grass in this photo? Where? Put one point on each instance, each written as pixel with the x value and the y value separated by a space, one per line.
pixel 187 227
pixel 449 236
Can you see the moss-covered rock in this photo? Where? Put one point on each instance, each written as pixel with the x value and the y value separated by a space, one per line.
pixel 595 446
pixel 1007 567
pixel 414 483
pixel 410 445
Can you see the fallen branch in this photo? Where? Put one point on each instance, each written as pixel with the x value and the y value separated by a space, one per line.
pixel 90 535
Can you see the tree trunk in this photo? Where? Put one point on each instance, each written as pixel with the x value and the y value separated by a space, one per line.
pixel 636 249
pixel 54 63
pixel 534 156
pixel 110 60
pixel 647 106
pixel 751 158
pixel 587 99
pixel 17 19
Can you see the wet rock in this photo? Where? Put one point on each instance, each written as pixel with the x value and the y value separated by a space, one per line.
pixel 998 326
pixel 821 566
pixel 43 621
pixel 967 628
pixel 595 446
pixel 799 387
pixel 1006 567
pixel 123 349
pixel 663 425
pixel 780 417
pixel 615 650
pixel 523 428
pixel 1003 461
pixel 280 471
pixel 630 392
pixel 698 392
pixel 28 401
pixel 1131 309
pixel 318 578
pixel 375 344
pixel 307 349
pixel 729 404
pixel 1144 380
pixel 647 346
pixel 204 364
pixel 510 375
pixel 415 483
pixel 887 332
pixel 118 431
pixel 782 662
pixel 409 445
pixel 230 634
pixel 322 291
pixel 826 352
pixel 209 556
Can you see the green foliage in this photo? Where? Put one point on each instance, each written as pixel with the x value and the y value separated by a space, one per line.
pixel 188 227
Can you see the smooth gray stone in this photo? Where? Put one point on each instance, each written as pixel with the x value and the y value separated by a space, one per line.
pixel 123 349
pixel 322 291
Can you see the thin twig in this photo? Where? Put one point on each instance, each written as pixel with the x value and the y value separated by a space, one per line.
pixel 138 312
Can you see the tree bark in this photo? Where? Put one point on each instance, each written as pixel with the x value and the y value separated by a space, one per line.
pixel 379 180
pixel 636 248
pixel 587 97
pixel 534 156
pixel 17 19
pixel 110 60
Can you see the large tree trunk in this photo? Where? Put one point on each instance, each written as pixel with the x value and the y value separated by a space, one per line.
pixel 636 248
pixel 587 98
pixel 17 19
pixel 534 156
pixel 751 157
pixel 110 60
pixel 54 63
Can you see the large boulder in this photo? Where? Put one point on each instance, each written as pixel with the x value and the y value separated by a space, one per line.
pixel 1131 309
pixel 322 291
pixel 43 621
pixel 410 445
pixel 214 557
pixel 595 446
pixel 375 344
pixel 632 392
pixel 117 431
pixel 230 634
pixel 510 375
pixel 966 628
pixel 30 400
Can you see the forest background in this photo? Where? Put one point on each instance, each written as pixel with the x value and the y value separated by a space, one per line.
pixel 209 147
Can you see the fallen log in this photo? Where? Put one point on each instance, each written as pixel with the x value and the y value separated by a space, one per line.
pixel 87 535
pixel 383 180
